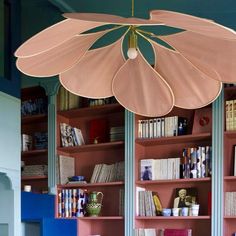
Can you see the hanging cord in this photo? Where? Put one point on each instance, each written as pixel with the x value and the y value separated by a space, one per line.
pixel 132 8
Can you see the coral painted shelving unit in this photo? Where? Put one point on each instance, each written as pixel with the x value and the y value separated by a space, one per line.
pixel 86 157
pixel 166 147
pixel 229 178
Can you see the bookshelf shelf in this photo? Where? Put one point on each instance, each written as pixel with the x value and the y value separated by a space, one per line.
pixel 174 139
pixel 34 152
pixel 87 218
pixel 91 111
pixel 91 185
pixel 92 147
pixel 230 178
pixel 174 181
pixel 102 218
pixel 34 118
pixel 230 217
pixel 230 134
pixel 27 178
pixel 173 218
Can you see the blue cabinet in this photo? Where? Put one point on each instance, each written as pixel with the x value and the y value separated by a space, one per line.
pixel 37 215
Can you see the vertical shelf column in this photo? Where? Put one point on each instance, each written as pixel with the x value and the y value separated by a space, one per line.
pixel 129 173
pixel 217 166
pixel 51 87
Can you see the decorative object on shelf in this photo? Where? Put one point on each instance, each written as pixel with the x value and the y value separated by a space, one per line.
pixel 203 51
pixel 185 197
pixel 94 205
pixel 202 120
pixel 98 131
pixel 166 212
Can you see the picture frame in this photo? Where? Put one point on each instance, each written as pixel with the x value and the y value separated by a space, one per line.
pixel 185 197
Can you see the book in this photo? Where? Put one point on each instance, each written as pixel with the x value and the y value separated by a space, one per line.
pixel 66 168
pixel 175 232
pixel 146 169
pixel 26 142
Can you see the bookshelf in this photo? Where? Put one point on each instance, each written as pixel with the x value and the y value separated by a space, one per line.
pixel 172 147
pixel 86 156
pixel 33 125
pixel 229 182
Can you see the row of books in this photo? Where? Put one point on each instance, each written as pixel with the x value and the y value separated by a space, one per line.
pixel 230 203
pixel 162 127
pixel 34 107
pixel 38 141
pixel 108 173
pixel 72 202
pixel 230 110
pixel 102 101
pixel 196 162
pixel 158 169
pixel 34 170
pixel 70 136
pixel 117 133
pixel 68 100
pixel 145 204
pixel 145 232
pixel 163 232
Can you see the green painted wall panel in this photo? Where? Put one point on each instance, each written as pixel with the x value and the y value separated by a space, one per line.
pixel 10 144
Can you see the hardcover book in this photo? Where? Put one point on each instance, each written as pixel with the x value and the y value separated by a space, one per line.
pixel 175 232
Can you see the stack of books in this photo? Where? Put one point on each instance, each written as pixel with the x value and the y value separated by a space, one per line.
pixel 70 136
pixel 26 142
pixel 103 173
pixel 162 127
pixel 34 107
pixel 145 232
pixel 230 203
pixel 196 162
pixel 34 170
pixel 72 202
pixel 117 133
pixel 159 169
pixel 230 110
pixel 40 140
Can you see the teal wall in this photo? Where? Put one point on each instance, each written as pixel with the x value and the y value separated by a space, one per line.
pixel 1 39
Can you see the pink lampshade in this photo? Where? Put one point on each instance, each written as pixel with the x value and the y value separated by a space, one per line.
pixel 187 75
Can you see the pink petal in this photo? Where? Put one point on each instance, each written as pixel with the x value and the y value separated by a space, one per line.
pixel 92 76
pixel 192 23
pixel 60 58
pixel 53 36
pixel 189 85
pixel 218 54
pixel 139 88
pixel 110 19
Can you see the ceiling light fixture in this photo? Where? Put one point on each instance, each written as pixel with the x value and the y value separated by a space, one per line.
pixel 188 75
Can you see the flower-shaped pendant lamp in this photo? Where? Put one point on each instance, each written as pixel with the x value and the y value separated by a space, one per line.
pixel 189 74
